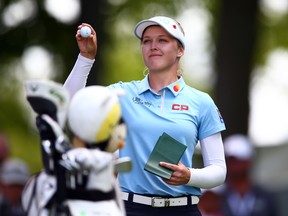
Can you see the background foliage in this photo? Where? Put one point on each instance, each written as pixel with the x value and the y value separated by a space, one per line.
pixel 117 58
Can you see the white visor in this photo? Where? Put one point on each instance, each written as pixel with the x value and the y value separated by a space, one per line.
pixel 170 25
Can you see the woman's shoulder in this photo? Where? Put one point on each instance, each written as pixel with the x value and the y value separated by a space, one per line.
pixel 198 94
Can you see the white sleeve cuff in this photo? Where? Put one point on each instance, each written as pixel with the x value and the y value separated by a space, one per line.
pixel 86 60
pixel 207 177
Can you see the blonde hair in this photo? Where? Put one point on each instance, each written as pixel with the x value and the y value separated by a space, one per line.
pixel 145 71
pixel 181 28
pixel 179 72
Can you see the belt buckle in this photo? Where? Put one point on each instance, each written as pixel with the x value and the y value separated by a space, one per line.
pixel 165 204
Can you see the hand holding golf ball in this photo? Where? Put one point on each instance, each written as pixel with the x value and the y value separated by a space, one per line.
pixel 85 31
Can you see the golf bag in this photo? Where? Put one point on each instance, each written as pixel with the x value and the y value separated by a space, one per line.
pixel 75 181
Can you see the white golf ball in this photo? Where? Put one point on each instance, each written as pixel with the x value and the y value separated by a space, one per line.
pixel 85 31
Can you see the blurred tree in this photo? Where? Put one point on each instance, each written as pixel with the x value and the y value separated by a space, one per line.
pixel 235 52
pixel 96 13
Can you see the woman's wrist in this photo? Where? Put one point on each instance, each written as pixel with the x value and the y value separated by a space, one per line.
pixel 88 55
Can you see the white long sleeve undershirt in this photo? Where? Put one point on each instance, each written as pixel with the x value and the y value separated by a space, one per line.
pixel 77 78
pixel 214 171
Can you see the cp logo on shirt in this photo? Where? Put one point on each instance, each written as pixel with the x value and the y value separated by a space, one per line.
pixel 179 107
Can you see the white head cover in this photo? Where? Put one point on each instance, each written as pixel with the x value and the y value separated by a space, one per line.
pixel 51 91
pixel 93 113
pixel 170 25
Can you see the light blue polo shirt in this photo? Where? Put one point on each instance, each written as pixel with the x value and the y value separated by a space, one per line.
pixel 186 114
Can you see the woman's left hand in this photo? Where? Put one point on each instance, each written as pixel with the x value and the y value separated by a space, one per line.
pixel 180 176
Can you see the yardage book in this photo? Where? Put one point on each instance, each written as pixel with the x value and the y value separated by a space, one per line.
pixel 167 149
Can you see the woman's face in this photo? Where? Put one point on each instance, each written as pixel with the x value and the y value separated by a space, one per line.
pixel 160 51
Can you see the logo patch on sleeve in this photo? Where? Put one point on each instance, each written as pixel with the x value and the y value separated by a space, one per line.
pixel 220 116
